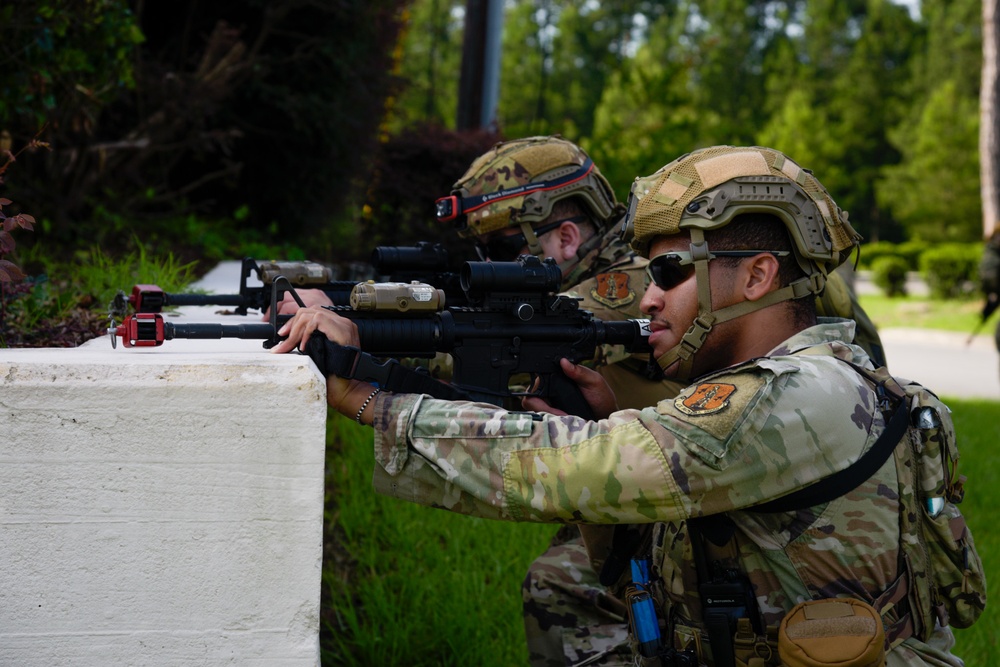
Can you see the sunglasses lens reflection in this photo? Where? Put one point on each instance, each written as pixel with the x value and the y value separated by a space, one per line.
pixel 667 272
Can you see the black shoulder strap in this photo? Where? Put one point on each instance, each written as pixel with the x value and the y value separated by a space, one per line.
pixel 849 478
pixel 823 491
pixel 853 476
pixel 350 362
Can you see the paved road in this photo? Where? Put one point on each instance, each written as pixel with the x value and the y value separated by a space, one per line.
pixel 939 360
pixel 942 362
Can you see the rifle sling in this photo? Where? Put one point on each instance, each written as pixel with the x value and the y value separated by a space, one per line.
pixel 349 362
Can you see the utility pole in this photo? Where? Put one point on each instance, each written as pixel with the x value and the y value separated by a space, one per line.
pixel 479 86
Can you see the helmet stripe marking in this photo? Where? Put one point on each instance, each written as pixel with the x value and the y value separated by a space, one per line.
pixel 478 201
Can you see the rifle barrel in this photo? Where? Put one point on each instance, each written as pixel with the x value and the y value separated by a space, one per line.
pixel 257 331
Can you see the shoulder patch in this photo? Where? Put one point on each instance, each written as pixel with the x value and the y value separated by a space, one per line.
pixel 718 416
pixel 613 289
pixel 706 399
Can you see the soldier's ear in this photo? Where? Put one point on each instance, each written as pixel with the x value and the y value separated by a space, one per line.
pixel 570 239
pixel 759 275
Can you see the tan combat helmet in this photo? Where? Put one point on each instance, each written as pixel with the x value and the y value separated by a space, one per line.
pixel 516 183
pixel 706 190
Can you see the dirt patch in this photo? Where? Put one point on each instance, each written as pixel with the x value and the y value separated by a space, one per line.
pixel 73 330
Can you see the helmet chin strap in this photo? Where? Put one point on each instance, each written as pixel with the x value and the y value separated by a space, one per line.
pixel 534 245
pixel 694 338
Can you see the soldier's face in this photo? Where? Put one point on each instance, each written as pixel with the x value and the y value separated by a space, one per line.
pixel 670 311
pixel 673 310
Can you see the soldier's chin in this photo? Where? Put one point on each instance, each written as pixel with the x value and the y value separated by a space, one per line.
pixel 673 370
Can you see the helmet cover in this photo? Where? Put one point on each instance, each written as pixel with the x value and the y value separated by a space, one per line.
pixel 707 188
pixel 519 181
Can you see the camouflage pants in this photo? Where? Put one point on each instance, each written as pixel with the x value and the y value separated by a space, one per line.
pixel 569 618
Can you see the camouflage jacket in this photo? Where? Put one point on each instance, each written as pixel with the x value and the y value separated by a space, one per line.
pixel 733 439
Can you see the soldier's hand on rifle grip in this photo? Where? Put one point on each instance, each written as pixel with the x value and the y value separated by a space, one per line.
pixel 594 387
pixel 345 396
pixel 311 297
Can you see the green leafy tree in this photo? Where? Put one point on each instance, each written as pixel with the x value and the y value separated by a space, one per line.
pixel 787 131
pixel 725 41
pixel 646 117
pixel 155 110
pixel 953 48
pixel 836 83
pixel 934 190
pixel 560 56
pixel 63 62
pixel 430 64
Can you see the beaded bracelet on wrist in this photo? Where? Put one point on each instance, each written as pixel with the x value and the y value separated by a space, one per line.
pixel 364 405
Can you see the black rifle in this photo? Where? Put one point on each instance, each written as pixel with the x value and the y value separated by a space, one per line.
pixel 150 329
pixel 424 262
pixel 516 325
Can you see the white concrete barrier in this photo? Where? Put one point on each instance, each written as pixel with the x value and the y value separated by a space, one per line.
pixel 161 506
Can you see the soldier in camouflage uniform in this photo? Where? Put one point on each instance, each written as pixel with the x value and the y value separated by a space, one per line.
pixel 741 239
pixel 545 196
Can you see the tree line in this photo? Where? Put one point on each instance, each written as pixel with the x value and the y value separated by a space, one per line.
pixel 331 122
pixel 878 98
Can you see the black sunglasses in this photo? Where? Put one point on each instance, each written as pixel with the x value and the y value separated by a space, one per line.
pixel 507 248
pixel 670 269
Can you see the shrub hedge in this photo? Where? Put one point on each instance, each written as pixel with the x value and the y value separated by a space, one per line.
pixel 889 275
pixel 950 270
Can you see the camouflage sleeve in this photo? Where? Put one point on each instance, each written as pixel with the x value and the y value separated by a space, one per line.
pixel 480 460
pixel 725 443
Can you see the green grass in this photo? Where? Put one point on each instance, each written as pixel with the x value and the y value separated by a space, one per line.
pixel 405 584
pixel 925 313
pixel 411 585
pixel 977 424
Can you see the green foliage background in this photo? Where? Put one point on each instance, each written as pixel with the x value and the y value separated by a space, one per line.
pixel 296 119
pixel 208 128
pixel 260 112
pixel 880 103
